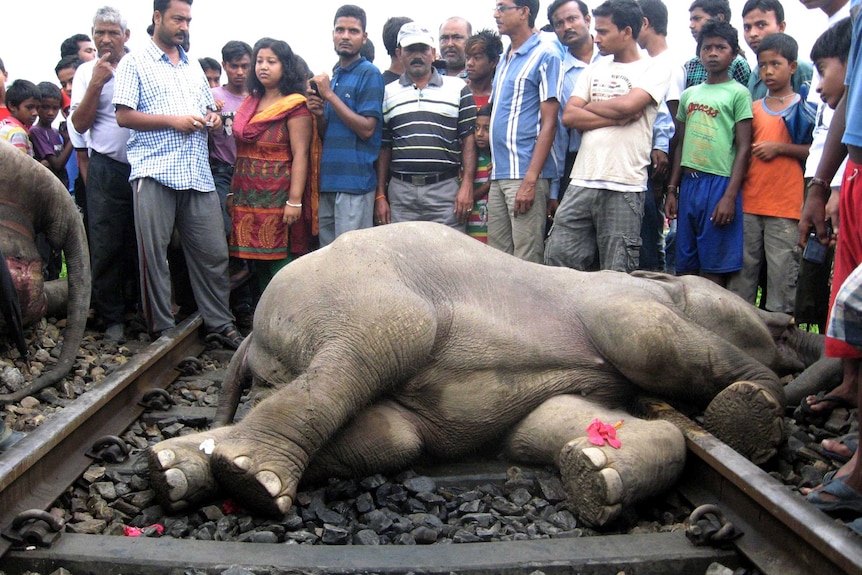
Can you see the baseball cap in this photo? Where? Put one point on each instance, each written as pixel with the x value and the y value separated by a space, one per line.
pixel 412 33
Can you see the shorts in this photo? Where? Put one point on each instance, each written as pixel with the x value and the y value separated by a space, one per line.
pixel 702 247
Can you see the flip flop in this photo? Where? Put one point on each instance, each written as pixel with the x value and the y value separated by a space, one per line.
pixel 847 500
pixel 805 414
pixel 856 526
pixel 850 441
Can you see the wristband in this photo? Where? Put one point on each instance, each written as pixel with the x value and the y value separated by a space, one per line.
pixel 299 205
pixel 380 197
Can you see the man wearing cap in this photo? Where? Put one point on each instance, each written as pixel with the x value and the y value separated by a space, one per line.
pixel 428 140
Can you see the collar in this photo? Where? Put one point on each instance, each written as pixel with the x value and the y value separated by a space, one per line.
pixel 157 53
pixel 353 65
pixel 435 80
pixel 525 48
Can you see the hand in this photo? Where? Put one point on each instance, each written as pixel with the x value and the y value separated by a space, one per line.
pixel 219 104
pixel 63 128
pixel 213 120
pixel 629 119
pixel 103 71
pixel 832 216
pixel 315 104
pixel 382 215
pixel 724 212
pixel 671 206
pixel 291 214
pixel 324 90
pixel 766 151
pixel 659 164
pixel 189 123
pixel 813 216
pixel 525 196
pixel 552 208
pixel 464 202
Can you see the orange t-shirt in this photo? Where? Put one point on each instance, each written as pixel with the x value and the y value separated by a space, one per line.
pixel 773 188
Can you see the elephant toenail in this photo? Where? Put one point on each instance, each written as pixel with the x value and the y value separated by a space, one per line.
pixel 284 503
pixel 242 462
pixel 270 482
pixel 596 457
pixel 178 484
pixel 166 458
pixel 613 484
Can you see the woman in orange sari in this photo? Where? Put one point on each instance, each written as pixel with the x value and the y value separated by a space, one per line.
pixel 273 130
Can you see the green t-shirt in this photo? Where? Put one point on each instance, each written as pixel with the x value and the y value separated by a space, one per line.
pixel 710 113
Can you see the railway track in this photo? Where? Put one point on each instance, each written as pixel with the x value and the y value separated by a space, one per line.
pixel 781 534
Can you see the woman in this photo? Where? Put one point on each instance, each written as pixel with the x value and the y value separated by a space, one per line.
pixel 273 130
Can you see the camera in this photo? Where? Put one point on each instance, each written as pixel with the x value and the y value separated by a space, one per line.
pixel 814 252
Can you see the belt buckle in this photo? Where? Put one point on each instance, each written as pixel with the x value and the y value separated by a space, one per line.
pixel 417 180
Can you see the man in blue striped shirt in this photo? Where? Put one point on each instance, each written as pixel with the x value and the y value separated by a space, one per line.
pixel 165 100
pixel 525 104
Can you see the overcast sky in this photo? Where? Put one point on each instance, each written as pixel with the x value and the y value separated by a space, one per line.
pixel 31 49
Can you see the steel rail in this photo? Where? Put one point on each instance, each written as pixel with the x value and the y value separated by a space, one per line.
pixel 35 471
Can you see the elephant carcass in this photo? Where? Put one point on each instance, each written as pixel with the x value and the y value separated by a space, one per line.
pixel 413 339
pixel 33 200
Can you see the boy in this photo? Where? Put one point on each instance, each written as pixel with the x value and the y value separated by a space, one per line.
pixel 22 99
pixel 710 162
pixel 700 12
pixel 50 146
pixel 212 70
pixel 477 223
pixel 773 186
pixel 761 19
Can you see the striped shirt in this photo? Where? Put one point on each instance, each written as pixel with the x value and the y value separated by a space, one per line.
pixel 148 82
pixel 425 127
pixel 523 81
pixel 347 162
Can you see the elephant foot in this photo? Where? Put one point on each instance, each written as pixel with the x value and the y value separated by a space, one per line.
pixel 748 418
pixel 180 469
pixel 595 489
pixel 261 479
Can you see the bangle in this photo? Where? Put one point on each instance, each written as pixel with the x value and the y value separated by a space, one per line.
pixel 299 205
pixel 229 194
pixel 818 182
pixel 380 197
pixel 673 190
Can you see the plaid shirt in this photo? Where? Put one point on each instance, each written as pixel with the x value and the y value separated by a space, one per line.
pixel 845 322
pixel 148 82
pixel 696 74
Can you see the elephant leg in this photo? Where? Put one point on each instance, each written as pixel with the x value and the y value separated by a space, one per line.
pixel 381 438
pixel 180 470
pixel 599 480
pixel 267 453
pixel 670 356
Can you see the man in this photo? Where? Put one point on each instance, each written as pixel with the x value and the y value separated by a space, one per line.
pixel 700 12
pixel 614 104
pixel 653 39
pixel 350 123
pixel 483 52
pixel 523 125
pixel 164 99
pixel 571 22
pixel 236 62
pixel 110 216
pixel 80 46
pixel 428 138
pixel 762 18
pixel 453 42
pixel 390 42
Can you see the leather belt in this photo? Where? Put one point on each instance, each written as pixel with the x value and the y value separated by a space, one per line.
pixel 424 179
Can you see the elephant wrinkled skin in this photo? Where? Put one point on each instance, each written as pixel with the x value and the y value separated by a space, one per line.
pixel 413 339
pixel 33 200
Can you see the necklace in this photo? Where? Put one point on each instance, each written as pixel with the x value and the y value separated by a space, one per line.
pixel 779 98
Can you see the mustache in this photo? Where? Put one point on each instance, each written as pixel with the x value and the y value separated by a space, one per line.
pixel 417 61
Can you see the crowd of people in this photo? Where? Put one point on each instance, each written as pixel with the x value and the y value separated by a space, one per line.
pixel 584 144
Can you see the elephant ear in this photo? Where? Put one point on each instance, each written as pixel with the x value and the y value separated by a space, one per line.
pixel 11 307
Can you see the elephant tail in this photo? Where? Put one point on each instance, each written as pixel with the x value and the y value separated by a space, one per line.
pixel 237 379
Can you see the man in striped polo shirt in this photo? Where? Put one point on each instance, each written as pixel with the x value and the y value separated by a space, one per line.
pixel 525 104
pixel 428 123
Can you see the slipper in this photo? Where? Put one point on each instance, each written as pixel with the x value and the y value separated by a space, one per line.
pixel 850 441
pixel 805 414
pixel 856 526
pixel 847 500
pixel 229 337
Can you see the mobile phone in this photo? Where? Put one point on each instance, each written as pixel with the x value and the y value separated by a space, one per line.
pixel 814 252
pixel 314 89
pixel 209 123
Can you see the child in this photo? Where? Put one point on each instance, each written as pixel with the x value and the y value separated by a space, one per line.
pixel 773 187
pixel 50 146
pixel 477 223
pixel 710 162
pixel 22 99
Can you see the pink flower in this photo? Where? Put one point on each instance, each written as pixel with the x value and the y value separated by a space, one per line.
pixel 154 529
pixel 598 432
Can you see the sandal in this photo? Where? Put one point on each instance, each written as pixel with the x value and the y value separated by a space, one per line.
pixel 850 441
pixel 805 414
pixel 845 499
pixel 228 337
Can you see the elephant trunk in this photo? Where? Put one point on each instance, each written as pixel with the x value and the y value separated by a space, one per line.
pixel 34 191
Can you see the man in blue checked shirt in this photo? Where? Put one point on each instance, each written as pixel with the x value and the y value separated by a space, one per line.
pixel 166 102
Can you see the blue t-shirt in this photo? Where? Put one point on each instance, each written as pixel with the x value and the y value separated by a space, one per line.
pixel 347 162
pixel 853 130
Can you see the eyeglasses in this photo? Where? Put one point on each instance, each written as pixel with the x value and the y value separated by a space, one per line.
pixel 503 7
